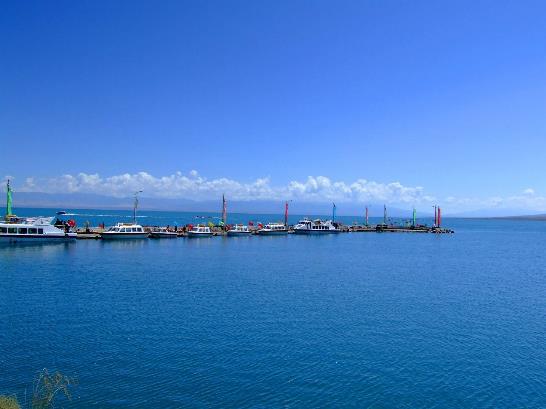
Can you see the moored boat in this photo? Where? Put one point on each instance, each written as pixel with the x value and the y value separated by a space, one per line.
pixel 33 230
pixel 163 233
pixel 238 230
pixel 200 231
pixel 273 229
pixel 317 226
pixel 15 229
pixel 124 231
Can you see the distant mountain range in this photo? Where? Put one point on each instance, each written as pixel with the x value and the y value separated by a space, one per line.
pixel 93 201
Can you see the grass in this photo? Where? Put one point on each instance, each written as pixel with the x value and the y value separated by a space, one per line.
pixel 46 389
pixel 9 402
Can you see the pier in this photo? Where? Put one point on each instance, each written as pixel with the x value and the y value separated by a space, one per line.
pixel 94 233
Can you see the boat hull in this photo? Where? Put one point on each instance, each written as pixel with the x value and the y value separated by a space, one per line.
pixel 39 238
pixel 273 233
pixel 194 235
pixel 123 236
pixel 238 233
pixel 163 235
pixel 309 232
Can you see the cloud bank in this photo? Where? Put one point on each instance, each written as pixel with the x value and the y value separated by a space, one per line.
pixel 196 187
pixel 193 186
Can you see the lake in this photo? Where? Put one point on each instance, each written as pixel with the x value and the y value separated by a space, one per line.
pixel 376 320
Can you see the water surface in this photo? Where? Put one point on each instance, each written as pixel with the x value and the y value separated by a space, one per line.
pixel 349 320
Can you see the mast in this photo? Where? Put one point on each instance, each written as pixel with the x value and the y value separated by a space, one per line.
pixel 414 214
pixel 366 215
pixel 439 217
pixel 286 213
pixel 384 214
pixel 333 212
pixel 135 205
pixel 9 200
pixel 224 210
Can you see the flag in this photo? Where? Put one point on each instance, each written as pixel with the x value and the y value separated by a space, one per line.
pixel 8 201
pixel 224 210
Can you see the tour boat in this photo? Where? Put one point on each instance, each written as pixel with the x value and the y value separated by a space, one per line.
pixel 316 226
pixel 273 229
pixel 199 231
pixel 239 230
pixel 33 230
pixel 15 229
pixel 163 233
pixel 123 231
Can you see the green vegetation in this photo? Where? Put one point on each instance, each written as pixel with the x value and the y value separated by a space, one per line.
pixel 47 387
pixel 9 402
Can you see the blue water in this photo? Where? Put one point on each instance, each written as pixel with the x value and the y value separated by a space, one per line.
pixel 164 218
pixel 349 320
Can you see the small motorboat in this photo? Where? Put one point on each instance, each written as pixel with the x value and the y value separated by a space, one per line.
pixel 123 231
pixel 163 233
pixel 273 229
pixel 200 231
pixel 238 230
pixel 317 226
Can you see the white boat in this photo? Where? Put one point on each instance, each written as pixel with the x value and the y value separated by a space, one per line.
pixel 33 230
pixel 273 229
pixel 200 231
pixel 124 231
pixel 239 230
pixel 15 229
pixel 316 226
pixel 163 233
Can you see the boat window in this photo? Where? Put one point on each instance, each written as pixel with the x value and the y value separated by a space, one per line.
pixel 3 230
pixel 134 229
pixel 12 230
pixel 23 230
pixel 40 231
pixel 32 231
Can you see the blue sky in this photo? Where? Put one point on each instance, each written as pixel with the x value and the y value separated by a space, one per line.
pixel 445 97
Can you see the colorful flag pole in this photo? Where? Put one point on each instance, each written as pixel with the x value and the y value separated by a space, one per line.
pixel 366 215
pixel 224 210
pixel 286 213
pixel 439 217
pixel 9 200
pixel 414 214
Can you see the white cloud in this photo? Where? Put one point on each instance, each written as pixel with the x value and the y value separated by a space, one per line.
pixel 314 189
pixel 194 186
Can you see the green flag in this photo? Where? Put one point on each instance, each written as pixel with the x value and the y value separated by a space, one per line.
pixel 9 201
